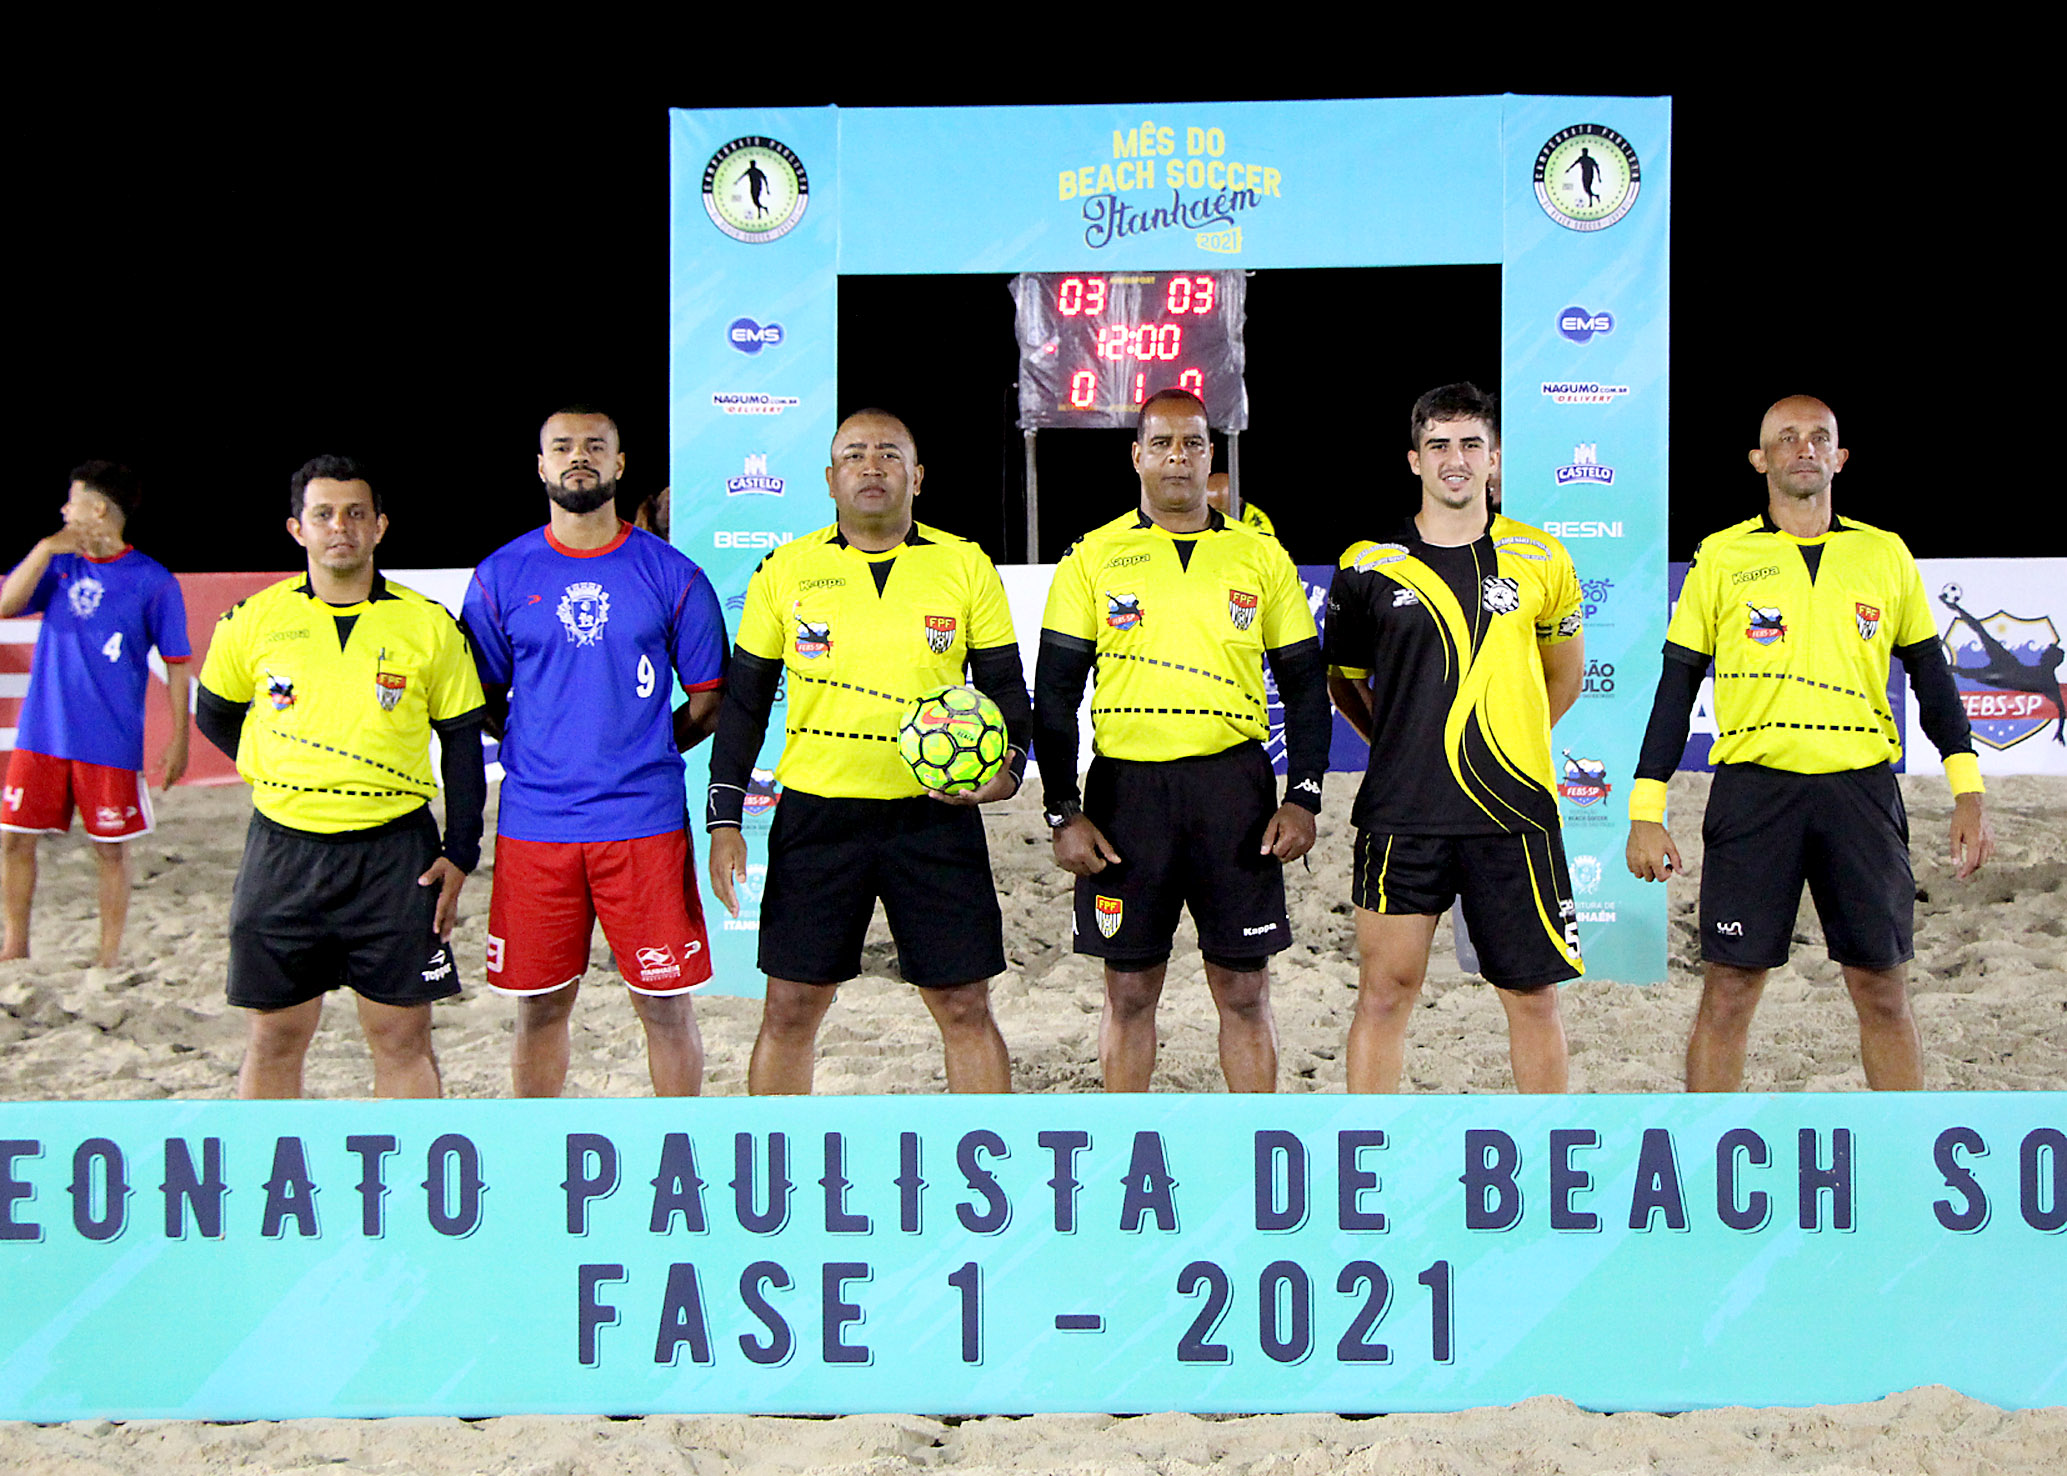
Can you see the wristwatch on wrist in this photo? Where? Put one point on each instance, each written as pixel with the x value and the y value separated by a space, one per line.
pixel 1062 814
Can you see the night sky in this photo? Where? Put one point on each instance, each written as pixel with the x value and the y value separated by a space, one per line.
pixel 226 279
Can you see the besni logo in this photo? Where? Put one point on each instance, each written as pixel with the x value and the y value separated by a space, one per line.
pixel 2007 669
pixel 1579 325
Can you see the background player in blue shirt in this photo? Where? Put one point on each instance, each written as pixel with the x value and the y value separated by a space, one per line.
pixel 81 739
pixel 583 624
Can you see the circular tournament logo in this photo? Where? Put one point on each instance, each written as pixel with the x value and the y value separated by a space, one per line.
pixel 1587 177
pixel 755 190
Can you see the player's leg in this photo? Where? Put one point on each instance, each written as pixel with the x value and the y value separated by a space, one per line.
pixel 18 887
pixel 1888 1041
pixel 1859 874
pixel 1248 1031
pixel 113 859
pixel 539 924
pixel 1535 1038
pixel 399 1037
pixel 1517 893
pixel 1127 1029
pixel 674 1043
pixel 1722 1027
pixel 275 1044
pixel 786 1047
pixel 975 1053
pixel 1392 960
pixel 1754 844
pixel 539 1048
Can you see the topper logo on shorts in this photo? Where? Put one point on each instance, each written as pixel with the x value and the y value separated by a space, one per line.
pixel 940 633
pixel 84 596
pixel 584 610
pixel 1108 910
pixel 1122 611
pixel 1241 608
pixel 1767 625
pixel 2007 670
pixel 440 963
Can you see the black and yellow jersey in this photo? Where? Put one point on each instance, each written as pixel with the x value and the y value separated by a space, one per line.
pixel 1448 640
pixel 859 635
pixel 341 700
pixel 1179 624
pixel 1801 659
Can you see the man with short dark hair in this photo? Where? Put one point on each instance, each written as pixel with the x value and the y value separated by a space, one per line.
pixel 1177 608
pixel 81 735
pixel 325 690
pixel 1453 645
pixel 581 628
pixel 1800 611
pixel 860 619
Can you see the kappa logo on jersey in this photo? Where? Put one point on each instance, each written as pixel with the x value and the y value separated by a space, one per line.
pixel 1869 619
pixel 1241 608
pixel 280 692
pixel 940 633
pixel 1585 780
pixel 389 686
pixel 2007 669
pixel 1767 625
pixel 1501 594
pixel 84 596
pixel 1122 611
pixel 1403 597
pixel 584 610
pixel 1108 910
pixel 813 639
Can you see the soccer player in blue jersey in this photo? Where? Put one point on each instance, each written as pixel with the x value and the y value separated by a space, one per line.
pixel 582 627
pixel 81 739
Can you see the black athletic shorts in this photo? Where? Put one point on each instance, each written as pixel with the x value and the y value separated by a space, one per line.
pixel 1190 834
pixel 829 860
pixel 312 913
pixel 1517 896
pixel 1846 834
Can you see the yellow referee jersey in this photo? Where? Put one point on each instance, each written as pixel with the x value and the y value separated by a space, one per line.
pixel 1801 661
pixel 1179 623
pixel 341 700
pixel 860 635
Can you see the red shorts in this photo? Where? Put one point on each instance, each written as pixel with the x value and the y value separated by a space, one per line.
pixel 549 894
pixel 114 804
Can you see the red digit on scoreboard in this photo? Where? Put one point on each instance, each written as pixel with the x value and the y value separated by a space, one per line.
pixel 1193 380
pixel 1202 299
pixel 1083 389
pixel 1069 297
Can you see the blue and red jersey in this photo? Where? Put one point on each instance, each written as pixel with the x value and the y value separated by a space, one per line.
pixel 586 639
pixel 101 617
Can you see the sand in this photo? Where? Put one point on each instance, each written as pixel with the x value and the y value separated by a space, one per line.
pixel 1990 985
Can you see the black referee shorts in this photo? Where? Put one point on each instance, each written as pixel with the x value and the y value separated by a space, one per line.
pixel 1846 834
pixel 1190 834
pixel 312 913
pixel 829 860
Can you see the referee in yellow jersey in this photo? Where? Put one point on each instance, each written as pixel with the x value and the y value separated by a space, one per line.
pixel 1177 608
pixel 1800 611
pixel 325 689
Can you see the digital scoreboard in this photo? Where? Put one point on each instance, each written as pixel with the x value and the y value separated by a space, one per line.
pixel 1093 347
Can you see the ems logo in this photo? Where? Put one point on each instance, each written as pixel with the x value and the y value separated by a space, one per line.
pixel 2007 669
pixel 940 633
pixel 389 686
pixel 584 611
pixel 755 190
pixel 1501 594
pixel 1109 909
pixel 813 639
pixel 1122 611
pixel 84 595
pixel 1767 625
pixel 1869 619
pixel 1585 780
pixel 1241 608
pixel 280 692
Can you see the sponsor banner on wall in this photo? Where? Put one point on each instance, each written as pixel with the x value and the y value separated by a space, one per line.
pixel 238 1260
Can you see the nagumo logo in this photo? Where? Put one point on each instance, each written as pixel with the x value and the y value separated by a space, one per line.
pixel 750 337
pixel 1145 158
pixel 1579 325
pixel 752 403
pixel 2007 669
pixel 1583 392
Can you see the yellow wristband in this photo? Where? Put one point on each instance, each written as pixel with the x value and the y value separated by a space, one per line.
pixel 1963 772
pixel 1647 800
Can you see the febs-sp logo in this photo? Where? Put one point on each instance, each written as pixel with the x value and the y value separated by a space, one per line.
pixel 2007 669
pixel 750 337
pixel 1579 325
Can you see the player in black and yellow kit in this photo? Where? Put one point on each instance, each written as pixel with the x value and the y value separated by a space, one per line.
pixel 1177 608
pixel 325 690
pixel 1800 611
pixel 861 618
pixel 1453 645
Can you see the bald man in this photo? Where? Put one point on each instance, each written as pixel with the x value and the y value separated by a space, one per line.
pixel 1800 611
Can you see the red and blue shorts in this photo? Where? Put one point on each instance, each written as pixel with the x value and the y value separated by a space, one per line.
pixel 113 804
pixel 550 894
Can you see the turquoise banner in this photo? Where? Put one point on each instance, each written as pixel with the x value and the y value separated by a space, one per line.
pixel 241 1260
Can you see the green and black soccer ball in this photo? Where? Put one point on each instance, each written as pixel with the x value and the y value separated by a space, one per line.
pixel 953 739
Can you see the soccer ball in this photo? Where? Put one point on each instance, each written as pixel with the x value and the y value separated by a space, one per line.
pixel 953 739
